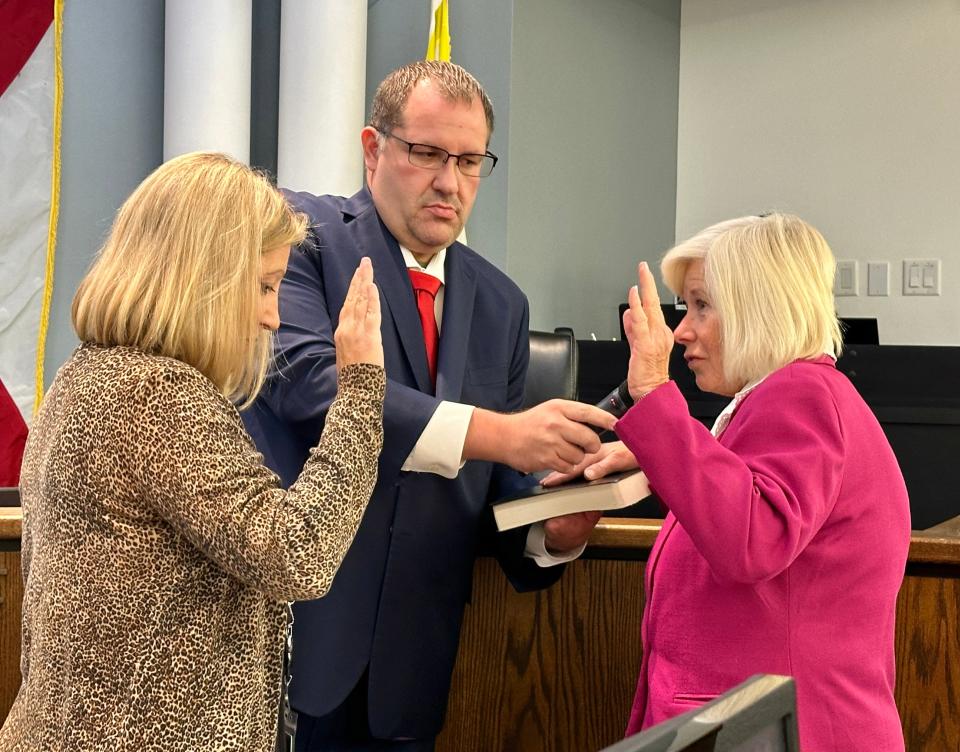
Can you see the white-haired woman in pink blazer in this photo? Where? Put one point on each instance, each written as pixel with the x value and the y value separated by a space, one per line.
pixel 788 525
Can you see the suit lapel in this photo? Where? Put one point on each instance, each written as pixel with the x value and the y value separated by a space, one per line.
pixel 459 289
pixel 399 310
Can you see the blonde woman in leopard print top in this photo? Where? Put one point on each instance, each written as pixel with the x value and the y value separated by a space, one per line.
pixel 158 551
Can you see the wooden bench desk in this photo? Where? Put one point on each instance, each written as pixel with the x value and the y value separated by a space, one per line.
pixel 555 670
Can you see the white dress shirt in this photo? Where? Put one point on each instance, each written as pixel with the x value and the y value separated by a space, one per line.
pixel 439 449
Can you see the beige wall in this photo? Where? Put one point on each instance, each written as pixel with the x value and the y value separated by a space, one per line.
pixel 846 112
pixel 592 153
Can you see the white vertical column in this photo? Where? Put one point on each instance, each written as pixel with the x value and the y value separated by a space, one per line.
pixel 323 59
pixel 206 96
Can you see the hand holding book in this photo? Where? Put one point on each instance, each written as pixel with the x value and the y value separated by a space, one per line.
pixel 540 503
pixel 569 532
pixel 606 479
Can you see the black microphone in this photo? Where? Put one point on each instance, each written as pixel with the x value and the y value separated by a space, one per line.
pixel 617 402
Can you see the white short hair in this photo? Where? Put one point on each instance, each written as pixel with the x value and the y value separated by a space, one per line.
pixel 770 279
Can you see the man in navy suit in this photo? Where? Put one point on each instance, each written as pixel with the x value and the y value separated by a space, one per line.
pixel 372 660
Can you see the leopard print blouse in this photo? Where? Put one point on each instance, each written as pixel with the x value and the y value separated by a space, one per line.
pixel 158 552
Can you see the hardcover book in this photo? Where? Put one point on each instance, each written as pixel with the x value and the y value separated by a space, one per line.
pixel 540 503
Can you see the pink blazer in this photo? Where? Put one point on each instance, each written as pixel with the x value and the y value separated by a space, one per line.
pixel 783 553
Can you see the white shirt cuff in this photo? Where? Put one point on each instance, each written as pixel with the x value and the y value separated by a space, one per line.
pixel 537 548
pixel 440 447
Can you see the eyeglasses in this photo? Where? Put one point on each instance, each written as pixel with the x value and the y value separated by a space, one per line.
pixel 434 158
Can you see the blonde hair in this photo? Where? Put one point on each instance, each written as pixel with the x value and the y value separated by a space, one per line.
pixel 454 82
pixel 770 279
pixel 179 274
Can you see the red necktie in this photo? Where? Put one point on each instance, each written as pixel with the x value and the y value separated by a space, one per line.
pixel 425 289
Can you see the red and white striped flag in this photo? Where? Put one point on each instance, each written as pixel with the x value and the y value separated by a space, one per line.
pixel 30 96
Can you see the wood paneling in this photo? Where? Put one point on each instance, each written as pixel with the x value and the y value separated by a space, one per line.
pixel 555 671
pixel 11 596
pixel 928 659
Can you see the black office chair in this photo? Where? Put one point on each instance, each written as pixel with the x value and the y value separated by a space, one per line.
pixel 552 371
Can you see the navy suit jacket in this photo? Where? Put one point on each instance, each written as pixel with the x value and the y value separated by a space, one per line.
pixel 397 602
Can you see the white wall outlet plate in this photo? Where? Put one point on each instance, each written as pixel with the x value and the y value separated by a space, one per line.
pixel 878 278
pixel 845 283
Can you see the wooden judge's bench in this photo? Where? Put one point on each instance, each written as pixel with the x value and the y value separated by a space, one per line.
pixel 555 670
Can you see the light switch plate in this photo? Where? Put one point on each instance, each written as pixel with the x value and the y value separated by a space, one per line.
pixel 878 278
pixel 845 283
pixel 921 276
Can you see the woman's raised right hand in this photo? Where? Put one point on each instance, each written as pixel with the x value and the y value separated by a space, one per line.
pixel 357 337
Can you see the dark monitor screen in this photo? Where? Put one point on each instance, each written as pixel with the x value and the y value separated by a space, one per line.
pixel 759 715
pixel 671 314
pixel 858 331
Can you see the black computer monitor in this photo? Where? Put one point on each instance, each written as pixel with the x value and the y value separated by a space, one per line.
pixel 759 715
pixel 859 331
pixel 856 330
pixel 671 314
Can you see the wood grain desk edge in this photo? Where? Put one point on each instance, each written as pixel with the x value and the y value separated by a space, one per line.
pixel 10 518
pixel 935 546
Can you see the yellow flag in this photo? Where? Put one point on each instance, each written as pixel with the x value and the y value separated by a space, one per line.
pixel 438 47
